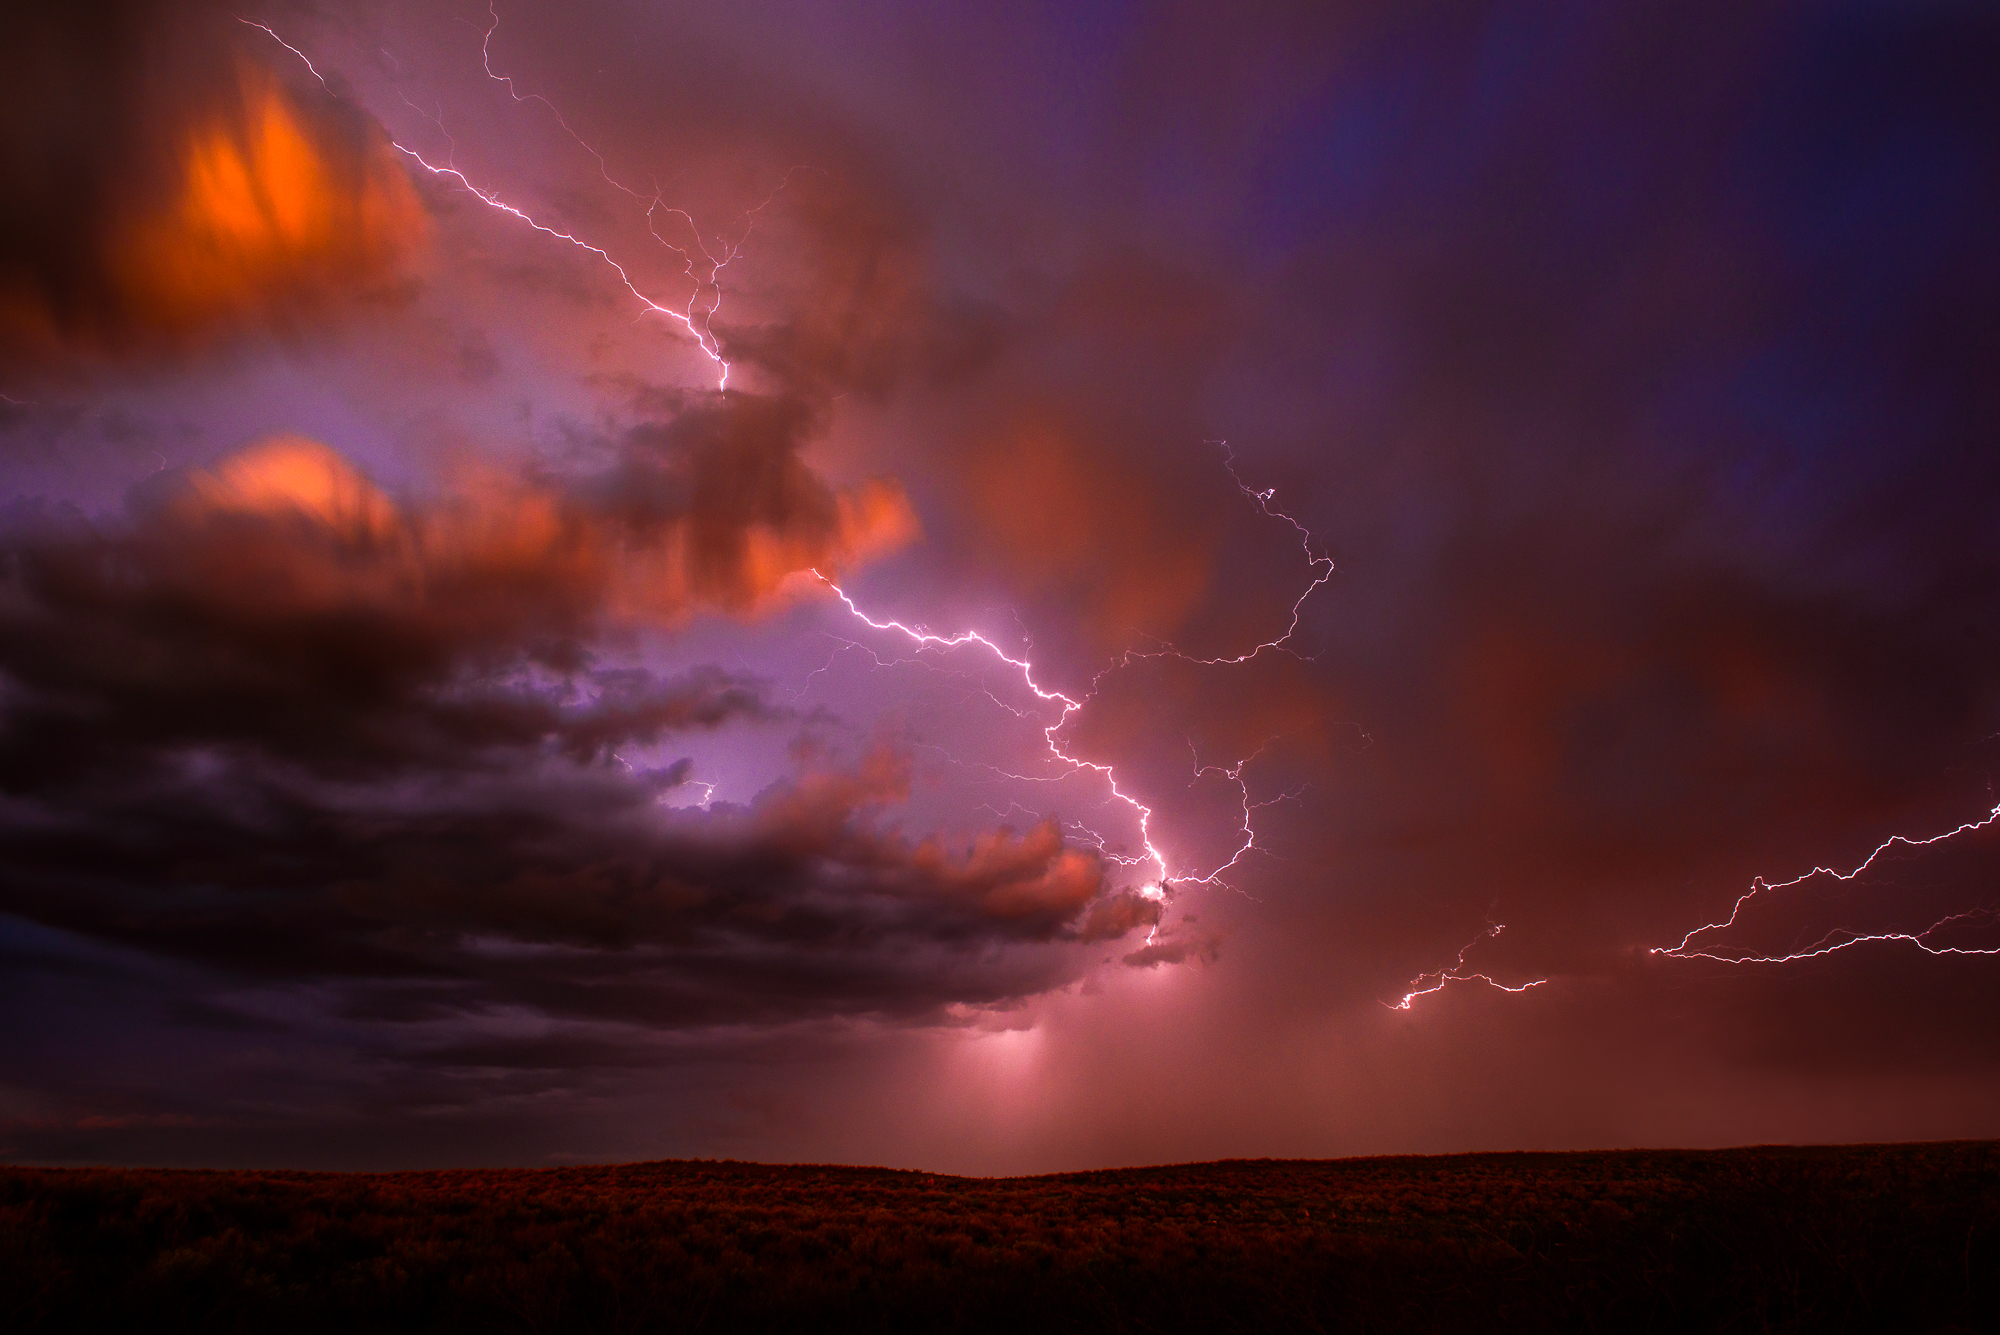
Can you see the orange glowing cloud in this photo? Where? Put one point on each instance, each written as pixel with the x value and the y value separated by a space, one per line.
pixel 291 473
pixel 245 208
pixel 289 522
pixel 1017 876
pixel 743 569
pixel 269 210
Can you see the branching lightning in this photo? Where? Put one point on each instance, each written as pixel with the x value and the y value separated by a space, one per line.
pixel 1838 939
pixel 656 205
pixel 1424 984
pixel 685 318
pixel 1160 870
pixel 1066 707
pixel 696 317
pixel 1841 938
pixel 266 29
pixel 1234 775
pixel 1319 562
pixel 702 266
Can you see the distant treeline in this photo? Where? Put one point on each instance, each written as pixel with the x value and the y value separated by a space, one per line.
pixel 1869 1238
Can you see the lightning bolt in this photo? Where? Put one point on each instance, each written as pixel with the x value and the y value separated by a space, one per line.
pixel 697 320
pixel 1320 562
pixel 1234 774
pixel 1161 874
pixel 1441 978
pixel 685 318
pixel 1066 707
pixel 656 205
pixel 702 332
pixel 1840 938
pixel 266 29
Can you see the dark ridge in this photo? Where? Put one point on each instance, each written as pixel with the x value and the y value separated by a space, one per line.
pixel 1770 1238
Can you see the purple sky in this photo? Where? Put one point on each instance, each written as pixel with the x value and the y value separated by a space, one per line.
pixel 1454 466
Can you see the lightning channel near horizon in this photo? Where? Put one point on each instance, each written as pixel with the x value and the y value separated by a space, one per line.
pixel 1425 984
pixel 1829 943
pixel 1841 938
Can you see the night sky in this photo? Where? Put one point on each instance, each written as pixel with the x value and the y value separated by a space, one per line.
pixel 1448 496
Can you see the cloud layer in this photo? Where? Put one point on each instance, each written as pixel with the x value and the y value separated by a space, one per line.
pixel 282 725
pixel 1634 370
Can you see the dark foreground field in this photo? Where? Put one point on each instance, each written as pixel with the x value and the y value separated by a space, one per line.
pixel 1874 1238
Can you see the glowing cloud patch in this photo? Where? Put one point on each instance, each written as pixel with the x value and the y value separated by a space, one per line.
pixel 269 212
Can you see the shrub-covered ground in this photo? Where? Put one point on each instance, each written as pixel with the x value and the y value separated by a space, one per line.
pixel 1866 1238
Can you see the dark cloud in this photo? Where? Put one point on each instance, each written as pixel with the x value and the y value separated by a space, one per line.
pixel 746 511
pixel 279 598
pixel 564 890
pixel 1633 365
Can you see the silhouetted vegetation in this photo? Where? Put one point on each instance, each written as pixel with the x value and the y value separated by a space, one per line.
pixel 1903 1237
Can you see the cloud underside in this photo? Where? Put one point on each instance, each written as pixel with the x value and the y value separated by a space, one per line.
pixel 285 727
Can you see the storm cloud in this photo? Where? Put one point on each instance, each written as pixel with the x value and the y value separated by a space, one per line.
pixel 277 722
pixel 1485 485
